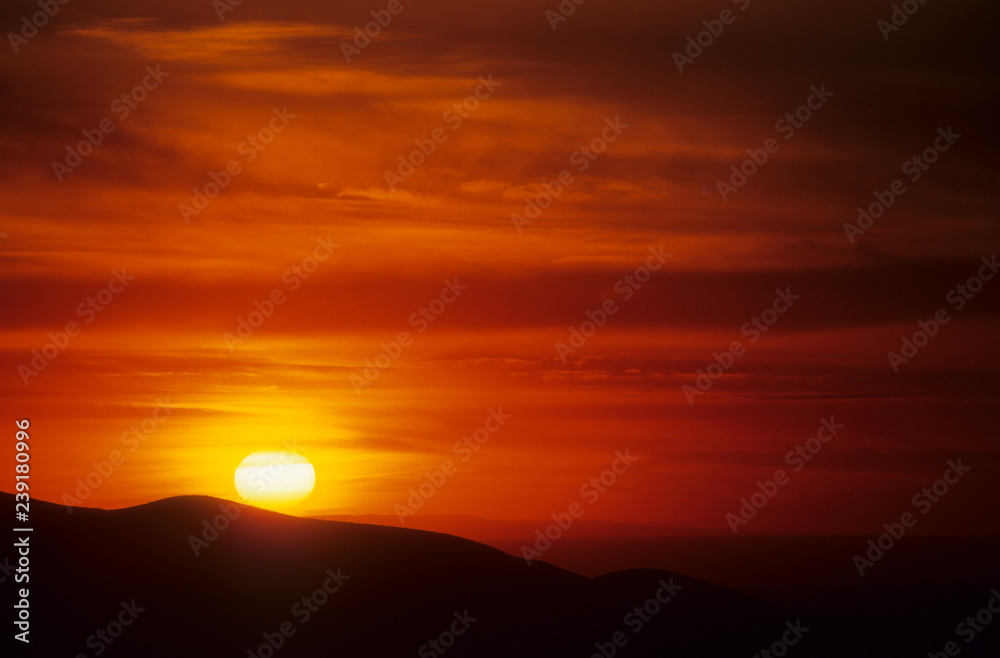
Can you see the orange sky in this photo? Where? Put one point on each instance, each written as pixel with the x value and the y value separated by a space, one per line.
pixel 322 180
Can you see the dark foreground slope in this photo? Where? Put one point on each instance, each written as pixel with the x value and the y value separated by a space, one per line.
pixel 153 581
pixel 395 590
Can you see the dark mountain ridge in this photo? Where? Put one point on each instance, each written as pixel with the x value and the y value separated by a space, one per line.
pixel 200 576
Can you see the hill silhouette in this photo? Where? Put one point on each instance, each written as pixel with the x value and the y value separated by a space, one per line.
pixel 324 588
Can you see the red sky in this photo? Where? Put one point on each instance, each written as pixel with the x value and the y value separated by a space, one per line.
pixel 654 187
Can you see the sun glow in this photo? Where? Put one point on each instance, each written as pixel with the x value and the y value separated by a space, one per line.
pixel 275 479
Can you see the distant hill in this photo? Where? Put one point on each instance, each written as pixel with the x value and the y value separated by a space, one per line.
pixel 485 530
pixel 745 562
pixel 403 588
pixel 388 592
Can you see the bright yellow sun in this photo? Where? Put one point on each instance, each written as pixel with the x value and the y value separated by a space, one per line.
pixel 275 479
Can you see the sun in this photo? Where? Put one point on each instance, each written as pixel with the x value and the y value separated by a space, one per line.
pixel 275 479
